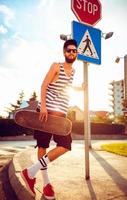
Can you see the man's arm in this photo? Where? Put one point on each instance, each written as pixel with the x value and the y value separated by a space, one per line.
pixel 82 88
pixel 53 71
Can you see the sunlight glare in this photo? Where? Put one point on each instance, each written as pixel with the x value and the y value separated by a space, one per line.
pixel 76 98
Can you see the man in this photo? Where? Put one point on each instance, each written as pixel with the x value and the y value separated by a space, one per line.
pixel 54 100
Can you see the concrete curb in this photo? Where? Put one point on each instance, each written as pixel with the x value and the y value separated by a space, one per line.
pixel 15 179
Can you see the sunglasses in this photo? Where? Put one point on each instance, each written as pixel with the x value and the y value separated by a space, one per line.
pixel 71 50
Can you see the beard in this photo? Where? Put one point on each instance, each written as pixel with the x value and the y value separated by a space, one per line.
pixel 70 60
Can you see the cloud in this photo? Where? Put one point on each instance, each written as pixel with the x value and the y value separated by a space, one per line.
pixel 27 56
pixel 3 29
pixel 43 4
pixel 8 13
pixel 17 38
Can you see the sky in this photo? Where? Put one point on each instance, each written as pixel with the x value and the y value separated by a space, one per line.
pixel 30 42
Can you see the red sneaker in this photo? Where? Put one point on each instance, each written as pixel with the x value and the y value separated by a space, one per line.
pixel 30 182
pixel 48 192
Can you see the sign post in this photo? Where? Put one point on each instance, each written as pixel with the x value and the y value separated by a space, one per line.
pixel 89 50
pixel 86 120
pixel 125 86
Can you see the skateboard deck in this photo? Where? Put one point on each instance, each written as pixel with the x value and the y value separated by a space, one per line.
pixel 54 124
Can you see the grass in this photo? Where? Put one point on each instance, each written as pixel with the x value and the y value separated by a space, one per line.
pixel 117 148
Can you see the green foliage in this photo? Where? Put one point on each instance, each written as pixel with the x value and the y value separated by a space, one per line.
pixel 13 107
pixel 9 128
pixel 98 128
pixel 117 148
pixel 120 119
pixel 101 119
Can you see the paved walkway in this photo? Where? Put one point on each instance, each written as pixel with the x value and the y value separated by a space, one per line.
pixel 108 174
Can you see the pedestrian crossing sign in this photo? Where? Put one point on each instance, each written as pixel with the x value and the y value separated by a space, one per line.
pixel 88 41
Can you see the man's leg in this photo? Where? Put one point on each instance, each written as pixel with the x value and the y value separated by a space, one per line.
pixel 45 160
pixel 63 145
pixel 56 152
pixel 48 190
pixel 41 153
pixel 52 155
pixel 43 140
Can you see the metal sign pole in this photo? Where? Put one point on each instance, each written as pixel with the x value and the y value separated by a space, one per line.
pixel 125 75
pixel 86 119
pixel 125 90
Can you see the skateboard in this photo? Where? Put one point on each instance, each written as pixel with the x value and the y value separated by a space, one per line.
pixel 54 124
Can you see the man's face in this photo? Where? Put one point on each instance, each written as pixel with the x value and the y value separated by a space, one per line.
pixel 70 53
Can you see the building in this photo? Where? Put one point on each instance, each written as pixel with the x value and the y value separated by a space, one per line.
pixel 117 97
pixel 75 113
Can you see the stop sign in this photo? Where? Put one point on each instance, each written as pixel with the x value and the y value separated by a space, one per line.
pixel 87 11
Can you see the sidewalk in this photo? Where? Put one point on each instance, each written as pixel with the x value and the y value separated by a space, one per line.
pixel 108 174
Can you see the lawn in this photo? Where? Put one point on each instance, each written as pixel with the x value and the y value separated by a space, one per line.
pixel 117 148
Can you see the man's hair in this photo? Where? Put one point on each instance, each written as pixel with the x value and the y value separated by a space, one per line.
pixel 70 42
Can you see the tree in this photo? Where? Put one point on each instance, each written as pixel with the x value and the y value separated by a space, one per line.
pixel 14 107
pixel 119 119
pixel 125 103
pixel 33 96
pixel 18 102
pixel 101 119
pixel 21 97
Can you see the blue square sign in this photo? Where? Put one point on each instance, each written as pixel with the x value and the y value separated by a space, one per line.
pixel 88 41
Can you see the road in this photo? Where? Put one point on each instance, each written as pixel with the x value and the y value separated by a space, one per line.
pixel 7 150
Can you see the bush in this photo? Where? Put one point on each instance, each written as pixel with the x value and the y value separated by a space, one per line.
pixel 98 128
pixel 8 127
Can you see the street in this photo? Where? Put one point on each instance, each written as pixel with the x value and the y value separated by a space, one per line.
pixel 7 150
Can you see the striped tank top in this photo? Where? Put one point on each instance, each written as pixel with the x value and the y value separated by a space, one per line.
pixel 57 95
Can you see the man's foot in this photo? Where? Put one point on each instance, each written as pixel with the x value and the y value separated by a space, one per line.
pixel 30 182
pixel 48 192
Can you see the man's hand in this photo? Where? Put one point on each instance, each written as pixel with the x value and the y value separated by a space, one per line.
pixel 78 89
pixel 83 86
pixel 43 116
